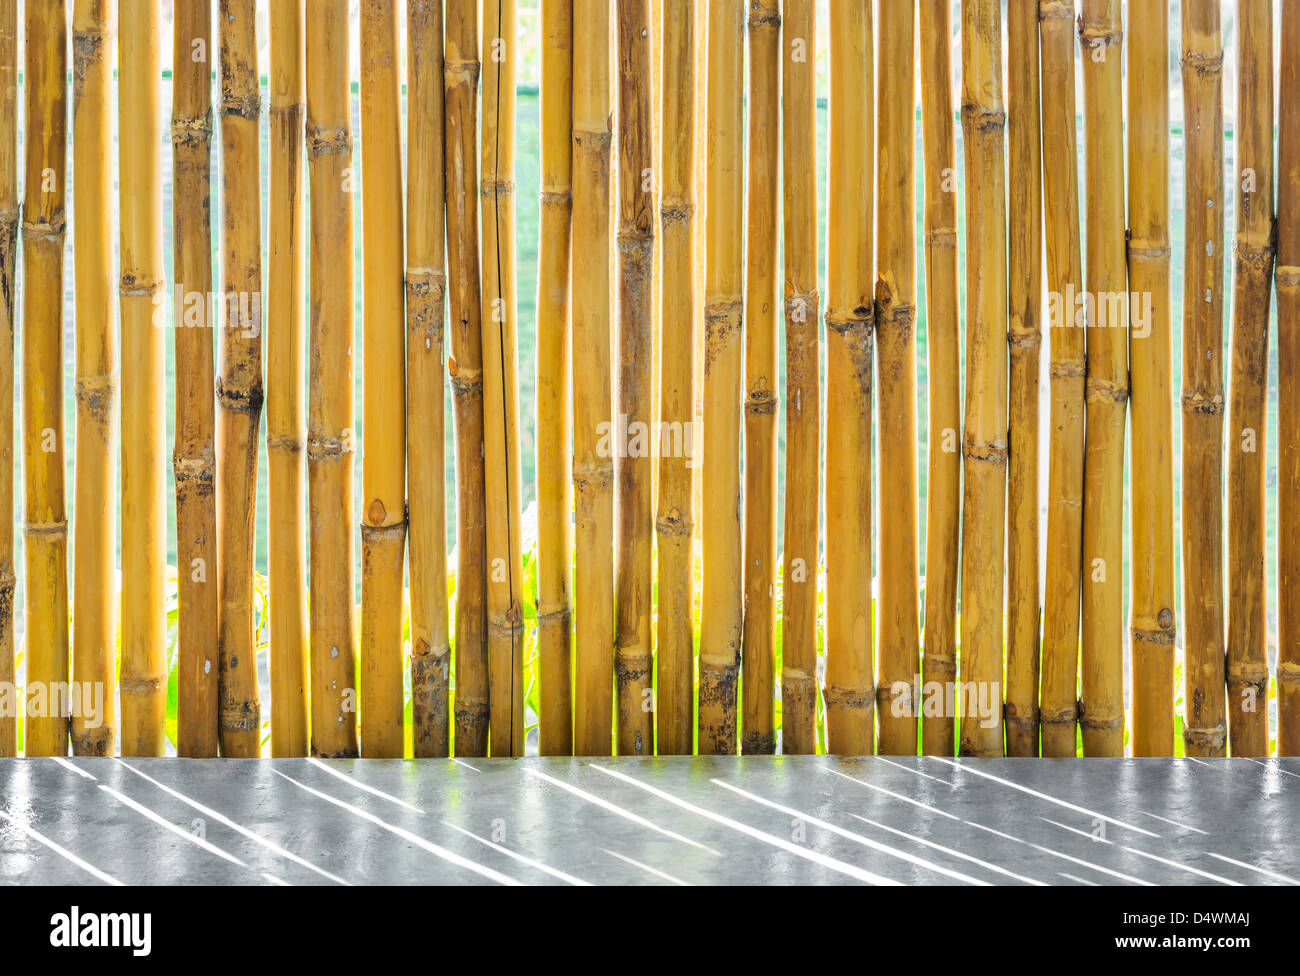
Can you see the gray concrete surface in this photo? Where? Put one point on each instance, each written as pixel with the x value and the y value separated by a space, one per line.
pixel 650 821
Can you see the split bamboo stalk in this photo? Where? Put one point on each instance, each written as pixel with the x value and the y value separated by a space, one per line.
pixel 1101 704
pixel 633 663
pixel 1059 694
pixel 331 440
pixel 465 366
pixel 239 385
pixel 1150 359
pixel 94 611
pixel 426 357
pixel 1253 251
pixel 985 445
pixel 45 527
pixel 758 651
pixel 383 521
pixel 943 357
pixel 554 385
pixel 701 104
pixel 501 381
pixel 895 319
pixel 9 218
pixel 674 522
pixel 194 456
pixel 285 388
pixel 850 310
pixel 1024 337
pixel 1288 407
pixel 1202 514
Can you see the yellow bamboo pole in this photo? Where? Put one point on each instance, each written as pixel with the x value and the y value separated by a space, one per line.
pixel 1202 515
pixel 1288 407
pixel 985 446
pixel 1150 347
pixel 1253 251
pixel 45 527
pixel 9 217
pixel 331 441
pixel 194 457
pixel 701 104
pixel 679 447
pixel 94 614
pixel 285 418
pixel 426 357
pixel 850 671
pixel 1058 709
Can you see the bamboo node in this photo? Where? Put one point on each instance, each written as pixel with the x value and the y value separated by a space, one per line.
pixel 1147 251
pixel 631 667
pixel 1203 63
pixel 491 189
pixel 945 236
pixel 1066 370
pixel 192 132
pixel 245 106
pixel 322 142
pixel 199 468
pixel 852 698
pixel 507 626
pixel 556 198
pixel 1246 674
pixel 49 228
pixel 1259 257
pixel 288 443
pixel 324 448
pixel 994 452
pixel 1288 672
pixel 1099 724
pixel 455 70
pixel 95 393
pixel 674 524
pixel 1099 32
pixel 247 401
pixel 859 320
pixel 761 15
pixel 1287 275
pixel 138 684
pixel 1030 339
pixel 760 401
pixel 132 285
pixel 560 615
pixel 1142 635
pixel 676 213
pixel 982 118
pixel 1205 740
pixel 797 306
pixel 378 534
pixel 593 475
pixel 1203 403
pixel 87 51
pixel 900 316
pixel 243 717
pixel 52 530
pixel 1056 10
pixel 1099 390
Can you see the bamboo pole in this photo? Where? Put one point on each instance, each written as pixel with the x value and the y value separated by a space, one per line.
pixel 1150 347
pixel 1288 406
pixel 193 456
pixel 1024 339
pixel 1253 251
pixel 1202 514
pixel 45 527
pixel 331 441
pixel 1058 708
pixel 383 522
pixel 9 218
pixel 701 103
pixel 674 522
pixel 285 419
pixel 426 357
pixel 943 360
pixel 465 366
pixel 554 384
pixel 985 446
pixel 634 656
pixel 758 650
pixel 850 310
pixel 94 613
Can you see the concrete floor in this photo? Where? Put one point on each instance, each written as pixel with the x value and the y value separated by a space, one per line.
pixel 650 821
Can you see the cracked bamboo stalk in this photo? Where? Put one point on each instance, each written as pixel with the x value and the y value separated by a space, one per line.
pixel 1101 703
pixel 193 455
pixel 285 420
pixel 94 610
pixel 1024 337
pixel 758 651
pixel 9 218
pixel 1152 600
pixel 1253 252
pixel 501 380
pixel 850 669
pixel 383 522
pixel 985 444
pixel 895 319
pixel 45 527
pixel 1058 698
pixel 674 521
pixel 465 367
pixel 554 385
pixel 426 282
pixel 1202 460
pixel 331 441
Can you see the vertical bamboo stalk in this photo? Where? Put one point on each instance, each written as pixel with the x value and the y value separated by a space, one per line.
pixel 1150 359
pixel 1202 515
pixel 758 649
pixel 331 440
pixel 45 528
pixel 285 420
pixel 1024 337
pixel 985 446
pixel 94 613
pixel 1058 699
pixel 850 311
pixel 193 456
pixel 674 522
pixel 1253 251
pixel 9 218
pixel 720 617
pixel 465 366
pixel 426 283
pixel 554 384
pixel 701 103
